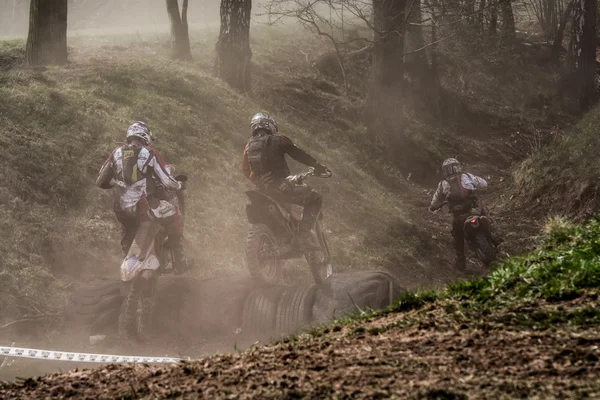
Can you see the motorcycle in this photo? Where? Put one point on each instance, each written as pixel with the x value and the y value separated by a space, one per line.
pixel 149 256
pixel 478 235
pixel 273 231
pixel 477 229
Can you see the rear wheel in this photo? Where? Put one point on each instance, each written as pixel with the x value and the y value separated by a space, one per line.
pixel 485 250
pixel 319 261
pixel 262 259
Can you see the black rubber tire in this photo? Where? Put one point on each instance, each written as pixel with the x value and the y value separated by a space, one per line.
pixel 133 326
pixel 254 240
pixel 92 309
pixel 485 250
pixel 294 310
pixel 260 312
pixel 94 293
pixel 319 260
pixel 108 302
pixel 85 304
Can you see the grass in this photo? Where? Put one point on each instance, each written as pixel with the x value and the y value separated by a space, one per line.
pixel 557 285
pixel 562 177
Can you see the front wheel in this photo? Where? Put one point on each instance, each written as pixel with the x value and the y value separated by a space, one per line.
pixel 262 259
pixel 484 248
pixel 320 261
pixel 136 310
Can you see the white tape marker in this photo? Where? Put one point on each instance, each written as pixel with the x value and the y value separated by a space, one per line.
pixel 81 357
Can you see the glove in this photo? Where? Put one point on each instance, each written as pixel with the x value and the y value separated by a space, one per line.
pixel 320 169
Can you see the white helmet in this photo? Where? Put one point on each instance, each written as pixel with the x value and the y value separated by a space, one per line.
pixel 450 167
pixel 140 130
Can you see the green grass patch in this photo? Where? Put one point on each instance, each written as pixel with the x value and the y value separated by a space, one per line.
pixel 520 291
pixel 566 264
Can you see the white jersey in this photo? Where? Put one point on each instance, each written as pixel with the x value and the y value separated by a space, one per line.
pixel 131 186
pixel 468 181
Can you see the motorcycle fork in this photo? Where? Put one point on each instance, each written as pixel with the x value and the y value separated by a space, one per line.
pixel 146 278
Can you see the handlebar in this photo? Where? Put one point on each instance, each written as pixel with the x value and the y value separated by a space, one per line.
pixel 302 176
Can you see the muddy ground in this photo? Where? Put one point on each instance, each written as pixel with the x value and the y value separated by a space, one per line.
pixel 422 354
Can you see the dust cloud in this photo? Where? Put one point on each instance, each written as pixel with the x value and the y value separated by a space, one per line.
pixel 112 16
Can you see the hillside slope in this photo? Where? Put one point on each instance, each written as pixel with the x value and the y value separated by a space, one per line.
pixel 58 124
pixel 529 330
pixel 562 178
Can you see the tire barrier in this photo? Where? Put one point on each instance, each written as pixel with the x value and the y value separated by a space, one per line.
pixel 234 310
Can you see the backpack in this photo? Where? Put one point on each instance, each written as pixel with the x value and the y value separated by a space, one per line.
pixel 460 200
pixel 258 154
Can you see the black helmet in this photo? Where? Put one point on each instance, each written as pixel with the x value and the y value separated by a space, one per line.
pixel 450 167
pixel 262 121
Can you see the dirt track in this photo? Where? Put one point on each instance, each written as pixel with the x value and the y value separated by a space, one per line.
pixel 435 359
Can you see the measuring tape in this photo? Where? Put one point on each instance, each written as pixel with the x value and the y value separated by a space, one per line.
pixel 82 357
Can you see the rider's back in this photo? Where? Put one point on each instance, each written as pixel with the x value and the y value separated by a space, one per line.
pixel 460 191
pixel 266 156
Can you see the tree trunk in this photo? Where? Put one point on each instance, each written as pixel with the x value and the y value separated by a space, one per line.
pixel 416 61
pixel 47 39
pixel 480 16
pixel 179 30
pixel 560 34
pixel 553 18
pixel 509 33
pixel 493 29
pixel 584 52
pixel 384 100
pixel 233 46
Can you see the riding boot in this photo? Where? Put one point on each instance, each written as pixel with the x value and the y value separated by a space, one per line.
pixel 459 241
pixel 180 262
pixel 304 240
pixel 127 236
pixel 459 248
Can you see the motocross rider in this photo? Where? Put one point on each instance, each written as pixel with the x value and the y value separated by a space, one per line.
pixel 138 172
pixel 458 190
pixel 265 165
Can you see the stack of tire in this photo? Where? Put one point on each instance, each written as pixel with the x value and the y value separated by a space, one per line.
pixel 94 308
pixel 196 310
pixel 276 311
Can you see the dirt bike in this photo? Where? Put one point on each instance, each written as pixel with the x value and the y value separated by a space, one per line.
pixel 139 274
pixel 478 235
pixel 273 231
